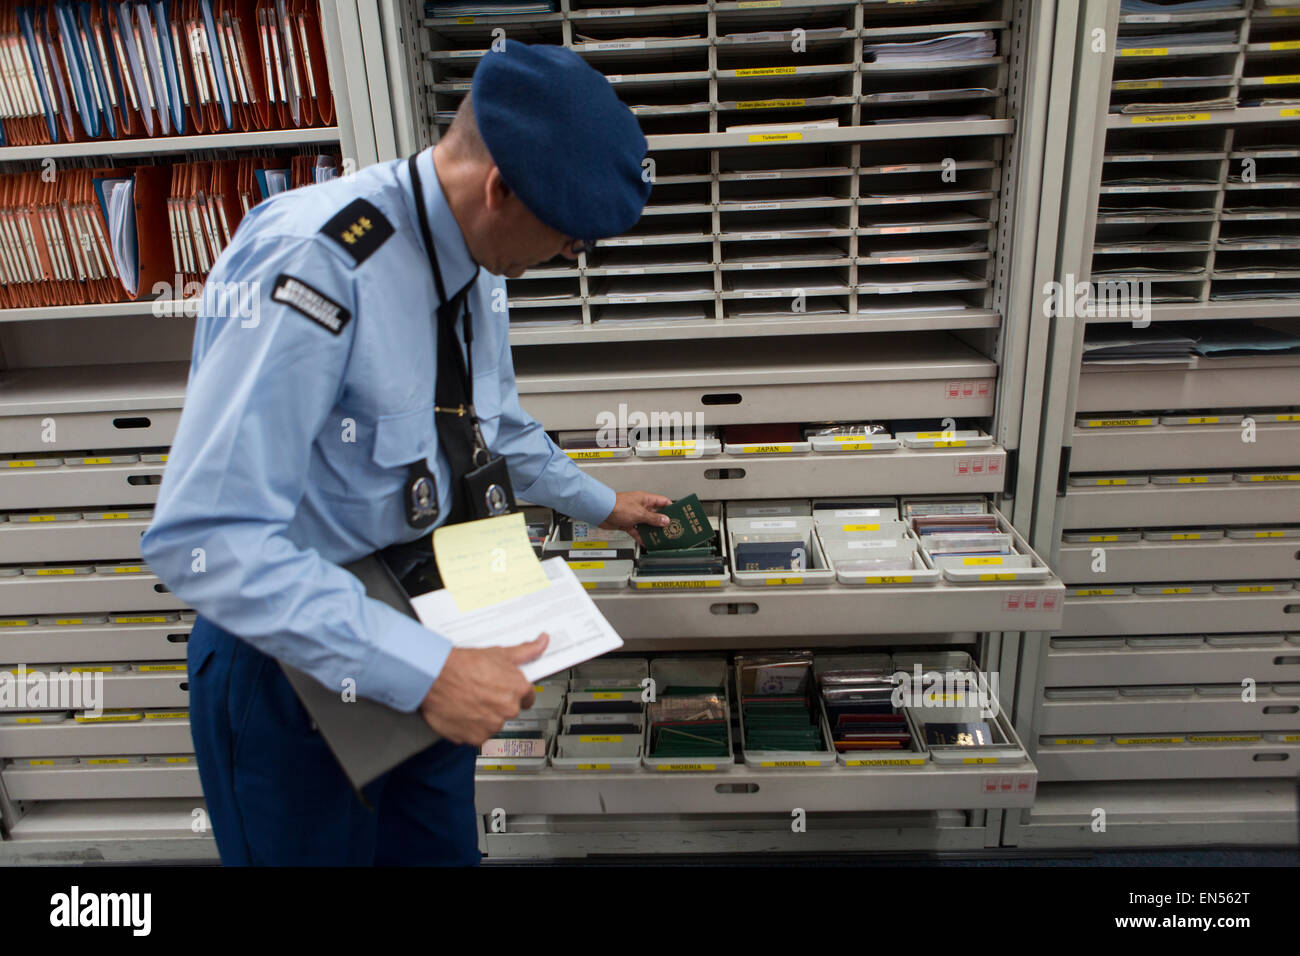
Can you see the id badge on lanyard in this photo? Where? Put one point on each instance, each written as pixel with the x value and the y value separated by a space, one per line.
pixel 485 490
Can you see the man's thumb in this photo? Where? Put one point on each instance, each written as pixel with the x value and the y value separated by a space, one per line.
pixel 523 653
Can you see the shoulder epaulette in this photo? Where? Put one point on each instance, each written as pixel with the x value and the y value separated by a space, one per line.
pixel 359 228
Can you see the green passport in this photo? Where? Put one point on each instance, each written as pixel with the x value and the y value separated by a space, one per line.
pixel 688 526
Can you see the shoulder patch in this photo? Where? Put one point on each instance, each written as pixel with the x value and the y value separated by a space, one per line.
pixel 359 228
pixel 311 302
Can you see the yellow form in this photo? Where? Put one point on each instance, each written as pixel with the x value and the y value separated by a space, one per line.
pixel 486 561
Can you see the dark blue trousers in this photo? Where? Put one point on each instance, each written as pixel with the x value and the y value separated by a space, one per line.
pixel 277 797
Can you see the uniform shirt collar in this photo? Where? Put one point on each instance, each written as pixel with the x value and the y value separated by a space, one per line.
pixel 457 265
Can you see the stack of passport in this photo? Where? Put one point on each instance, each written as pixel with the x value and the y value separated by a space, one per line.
pixel 861 712
pixel 688 545
pixel 780 723
pixel 776 707
pixel 686 724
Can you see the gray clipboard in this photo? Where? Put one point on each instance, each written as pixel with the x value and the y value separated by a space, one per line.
pixel 366 737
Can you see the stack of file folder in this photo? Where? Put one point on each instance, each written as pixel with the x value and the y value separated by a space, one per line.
pixel 107 234
pixel 116 69
pixel 972 45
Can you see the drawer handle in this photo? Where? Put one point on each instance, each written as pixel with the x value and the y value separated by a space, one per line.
pixel 1282 709
pixel 736 788
pixel 162 588
pixel 178 638
pixel 137 422
pixel 721 398
pixel 1291 659
pixel 734 607
pixel 1291 609
pixel 1273 757
pixel 185 686
pixel 144 479
pixel 723 474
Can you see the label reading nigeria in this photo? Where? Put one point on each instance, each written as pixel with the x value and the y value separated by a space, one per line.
pixel 311 302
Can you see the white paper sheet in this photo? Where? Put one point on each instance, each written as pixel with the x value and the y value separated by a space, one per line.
pixel 578 631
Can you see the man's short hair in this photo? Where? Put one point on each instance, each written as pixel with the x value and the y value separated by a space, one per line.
pixel 463 135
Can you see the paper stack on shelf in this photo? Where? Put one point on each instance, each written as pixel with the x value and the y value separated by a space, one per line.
pixel 474 8
pixel 971 45
pixel 1105 343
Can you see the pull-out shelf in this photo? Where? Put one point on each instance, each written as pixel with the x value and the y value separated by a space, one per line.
pixel 1236 559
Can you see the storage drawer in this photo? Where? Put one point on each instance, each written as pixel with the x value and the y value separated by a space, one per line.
pixel 1070 665
pixel 1192 761
pixel 86 740
pixel 1172 447
pixel 729 612
pixel 1129 718
pixel 151 638
pixel 78 782
pixel 1156 506
pixel 734 612
pixel 122 690
pixel 78 486
pixel 1181 613
pixel 750 790
pixel 82 540
pixel 924 471
pixel 81 593
pixel 1250 382
pixel 752 381
pixel 97 406
pixel 136 428
pixel 1225 559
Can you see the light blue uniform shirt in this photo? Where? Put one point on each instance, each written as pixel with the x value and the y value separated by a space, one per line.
pixel 292 451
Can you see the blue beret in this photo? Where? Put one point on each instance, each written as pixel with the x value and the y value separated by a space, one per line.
pixel 567 146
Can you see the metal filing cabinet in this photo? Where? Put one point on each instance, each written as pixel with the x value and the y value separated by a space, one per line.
pixel 1172 491
pixel 819 274
pixel 90 397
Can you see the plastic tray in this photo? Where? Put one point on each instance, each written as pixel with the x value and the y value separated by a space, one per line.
pixel 1100 537
pixel 691 672
pixel 858 443
pixel 768 448
pixel 964 438
pixel 1252 587
pixel 690 582
pixel 1105 481
pixel 1199 534
pixel 1210 478
pixel 598 454
pixel 685 448
pixel 818 571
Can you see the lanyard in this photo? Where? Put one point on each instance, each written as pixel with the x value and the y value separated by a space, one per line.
pixel 448 308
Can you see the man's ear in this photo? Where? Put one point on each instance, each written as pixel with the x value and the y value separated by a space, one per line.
pixel 495 190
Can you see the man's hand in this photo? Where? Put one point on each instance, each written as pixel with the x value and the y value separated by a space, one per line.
pixel 479 690
pixel 632 508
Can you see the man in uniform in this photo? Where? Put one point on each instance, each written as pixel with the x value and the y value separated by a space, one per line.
pixel 341 418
